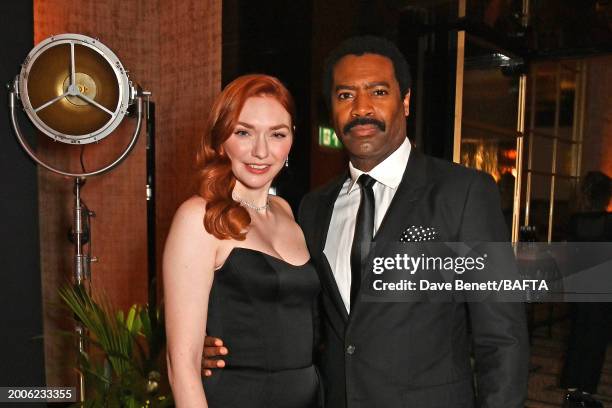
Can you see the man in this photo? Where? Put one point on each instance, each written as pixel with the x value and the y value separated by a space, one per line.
pixel 591 321
pixel 401 354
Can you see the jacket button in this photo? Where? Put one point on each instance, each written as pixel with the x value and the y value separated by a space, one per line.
pixel 350 349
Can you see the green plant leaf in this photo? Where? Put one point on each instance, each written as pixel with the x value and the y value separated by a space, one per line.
pixel 131 348
pixel 130 318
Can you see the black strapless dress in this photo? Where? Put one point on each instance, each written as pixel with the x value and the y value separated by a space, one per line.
pixel 262 308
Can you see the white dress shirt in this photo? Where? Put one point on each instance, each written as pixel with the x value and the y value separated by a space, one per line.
pixel 388 175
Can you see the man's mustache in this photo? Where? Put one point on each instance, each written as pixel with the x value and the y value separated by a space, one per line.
pixel 363 121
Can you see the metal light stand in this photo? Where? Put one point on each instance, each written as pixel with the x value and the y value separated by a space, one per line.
pixel 82 261
pixel 82 268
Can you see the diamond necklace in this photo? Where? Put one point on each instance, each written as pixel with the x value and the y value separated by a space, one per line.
pixel 252 206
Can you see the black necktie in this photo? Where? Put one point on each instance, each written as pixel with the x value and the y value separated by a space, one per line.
pixel 364 228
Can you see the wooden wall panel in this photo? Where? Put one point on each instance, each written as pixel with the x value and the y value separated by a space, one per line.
pixel 173 50
pixel 190 66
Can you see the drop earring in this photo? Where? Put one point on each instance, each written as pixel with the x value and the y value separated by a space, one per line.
pixel 287 162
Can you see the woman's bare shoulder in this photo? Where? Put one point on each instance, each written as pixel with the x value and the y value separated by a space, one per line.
pixel 193 206
pixel 189 219
pixel 188 242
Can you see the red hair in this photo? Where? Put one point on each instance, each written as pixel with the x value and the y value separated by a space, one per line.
pixel 226 218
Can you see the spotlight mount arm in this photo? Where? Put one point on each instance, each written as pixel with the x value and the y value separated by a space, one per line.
pixel 26 147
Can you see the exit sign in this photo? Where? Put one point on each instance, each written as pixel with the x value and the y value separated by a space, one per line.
pixel 328 138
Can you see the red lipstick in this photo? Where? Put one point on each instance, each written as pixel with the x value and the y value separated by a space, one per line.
pixel 257 170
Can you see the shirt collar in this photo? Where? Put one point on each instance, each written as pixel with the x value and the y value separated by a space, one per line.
pixel 388 172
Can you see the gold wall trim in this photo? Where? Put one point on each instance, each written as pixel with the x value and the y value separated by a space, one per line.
pixel 459 85
pixel 459 95
pixel 520 129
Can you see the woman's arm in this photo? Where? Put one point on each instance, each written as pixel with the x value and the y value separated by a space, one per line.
pixel 188 270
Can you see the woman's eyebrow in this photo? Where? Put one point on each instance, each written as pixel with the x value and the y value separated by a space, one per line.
pixel 282 125
pixel 246 125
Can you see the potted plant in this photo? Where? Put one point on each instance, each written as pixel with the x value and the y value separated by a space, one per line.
pixel 125 352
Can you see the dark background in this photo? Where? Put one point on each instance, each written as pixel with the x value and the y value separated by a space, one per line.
pixel 21 348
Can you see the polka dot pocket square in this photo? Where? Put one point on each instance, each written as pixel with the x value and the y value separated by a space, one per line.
pixel 419 233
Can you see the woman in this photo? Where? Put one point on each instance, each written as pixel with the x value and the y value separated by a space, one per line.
pixel 236 264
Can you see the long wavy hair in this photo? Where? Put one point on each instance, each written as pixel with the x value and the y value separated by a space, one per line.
pixel 225 218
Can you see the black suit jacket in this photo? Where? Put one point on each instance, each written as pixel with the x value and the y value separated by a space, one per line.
pixel 417 354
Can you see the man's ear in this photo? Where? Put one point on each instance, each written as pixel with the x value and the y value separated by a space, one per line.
pixel 406 103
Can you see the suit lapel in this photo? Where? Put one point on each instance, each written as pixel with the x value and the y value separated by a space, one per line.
pixel 408 192
pixel 325 209
pixel 410 189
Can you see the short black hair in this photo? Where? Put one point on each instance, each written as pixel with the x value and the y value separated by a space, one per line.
pixel 367 44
